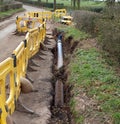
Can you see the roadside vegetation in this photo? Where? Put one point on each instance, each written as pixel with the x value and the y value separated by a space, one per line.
pixel 94 71
pixel 68 4
pixel 9 13
pixel 75 33
pixel 9 8
pixel 90 74
pixel 105 26
pixel 93 77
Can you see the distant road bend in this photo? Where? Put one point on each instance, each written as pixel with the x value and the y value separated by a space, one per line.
pixel 8 41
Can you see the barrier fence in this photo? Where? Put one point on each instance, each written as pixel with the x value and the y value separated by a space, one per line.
pixel 32 20
pixel 45 14
pixel 6 105
pixel 60 12
pixel 23 24
pixel 14 67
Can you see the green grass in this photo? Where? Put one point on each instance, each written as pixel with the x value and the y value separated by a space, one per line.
pixel 10 12
pixel 83 3
pixel 90 73
pixel 72 31
pixel 92 4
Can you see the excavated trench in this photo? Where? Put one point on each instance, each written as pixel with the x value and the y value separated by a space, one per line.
pixel 60 109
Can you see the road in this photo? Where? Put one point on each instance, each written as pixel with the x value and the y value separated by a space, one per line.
pixel 8 41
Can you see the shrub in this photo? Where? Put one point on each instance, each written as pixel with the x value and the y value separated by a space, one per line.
pixel 109 28
pixel 9 6
pixel 85 20
pixel 93 9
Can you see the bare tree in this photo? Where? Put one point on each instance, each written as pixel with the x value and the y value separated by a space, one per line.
pixel 110 2
pixel 71 3
pixel 54 4
pixel 1 1
pixel 78 3
pixel 39 1
pixel 74 4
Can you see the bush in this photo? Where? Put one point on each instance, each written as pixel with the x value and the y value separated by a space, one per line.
pixel 85 20
pixel 44 4
pixel 93 9
pixel 11 5
pixel 109 31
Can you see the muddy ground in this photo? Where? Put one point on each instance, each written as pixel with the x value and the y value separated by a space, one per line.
pixel 39 101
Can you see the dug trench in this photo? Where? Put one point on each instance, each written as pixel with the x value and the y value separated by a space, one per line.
pixel 60 108
pixel 42 72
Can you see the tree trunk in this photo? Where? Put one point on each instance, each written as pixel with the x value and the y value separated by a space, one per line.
pixel 71 3
pixel 39 1
pixel 1 1
pixel 54 5
pixel 46 1
pixel 110 2
pixel 78 4
pixel 74 2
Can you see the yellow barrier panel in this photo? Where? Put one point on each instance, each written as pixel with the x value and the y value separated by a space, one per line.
pixel 23 24
pixel 60 12
pixel 43 30
pixel 12 69
pixel 20 60
pixel 34 37
pixel 45 14
pixel 7 103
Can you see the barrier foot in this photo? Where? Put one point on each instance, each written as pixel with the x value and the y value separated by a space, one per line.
pixel 33 63
pixel 43 47
pixel 41 57
pixel 24 107
pixel 37 56
pixel 9 120
pixel 43 52
pixel 30 69
pixel 32 81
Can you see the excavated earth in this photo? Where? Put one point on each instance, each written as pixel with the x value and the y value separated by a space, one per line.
pixel 40 74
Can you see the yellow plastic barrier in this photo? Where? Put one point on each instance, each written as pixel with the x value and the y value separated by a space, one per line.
pixel 60 12
pixel 7 101
pixel 34 37
pixel 45 14
pixel 23 24
pixel 32 42
pixel 13 68
pixel 20 60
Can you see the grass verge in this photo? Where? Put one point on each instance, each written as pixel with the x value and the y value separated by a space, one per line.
pixel 72 31
pixel 91 74
pixel 10 12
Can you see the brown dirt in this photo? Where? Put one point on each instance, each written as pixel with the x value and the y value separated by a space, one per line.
pixel 40 74
pixel 40 71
